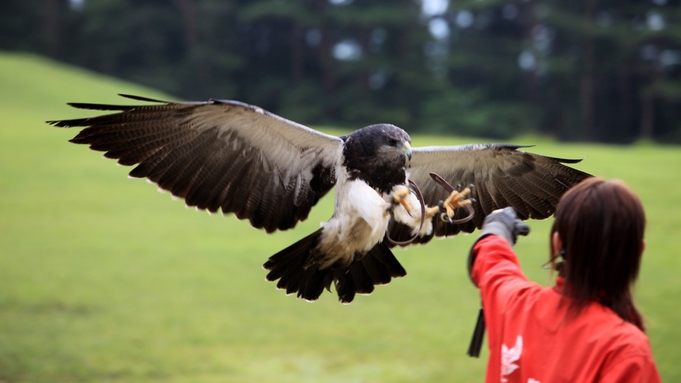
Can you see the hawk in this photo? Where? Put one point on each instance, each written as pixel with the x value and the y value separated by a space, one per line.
pixel 238 158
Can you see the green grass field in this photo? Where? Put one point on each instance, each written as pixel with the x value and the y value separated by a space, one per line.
pixel 104 279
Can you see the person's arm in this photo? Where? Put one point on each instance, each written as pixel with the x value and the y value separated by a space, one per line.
pixel 494 246
pixel 490 261
pixel 495 270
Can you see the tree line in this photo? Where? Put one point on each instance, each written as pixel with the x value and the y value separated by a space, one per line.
pixel 589 70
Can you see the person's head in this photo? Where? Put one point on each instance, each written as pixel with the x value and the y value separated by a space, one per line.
pixel 598 230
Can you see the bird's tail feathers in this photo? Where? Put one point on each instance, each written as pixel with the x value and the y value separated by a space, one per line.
pixel 291 266
pixel 377 267
pixel 297 271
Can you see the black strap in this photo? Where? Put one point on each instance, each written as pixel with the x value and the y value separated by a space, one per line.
pixel 478 336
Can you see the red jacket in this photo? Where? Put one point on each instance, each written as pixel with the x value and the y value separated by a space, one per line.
pixel 532 339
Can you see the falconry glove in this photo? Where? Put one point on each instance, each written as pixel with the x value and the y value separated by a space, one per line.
pixel 503 222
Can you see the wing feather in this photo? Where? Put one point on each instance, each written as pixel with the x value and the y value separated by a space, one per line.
pixel 218 155
pixel 485 199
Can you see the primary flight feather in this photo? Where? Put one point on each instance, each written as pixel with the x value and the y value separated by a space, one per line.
pixel 241 159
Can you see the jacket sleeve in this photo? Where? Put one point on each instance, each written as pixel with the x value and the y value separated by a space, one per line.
pixel 497 273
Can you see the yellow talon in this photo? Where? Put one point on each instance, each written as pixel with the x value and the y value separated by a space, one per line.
pixel 400 197
pixel 456 200
pixel 431 211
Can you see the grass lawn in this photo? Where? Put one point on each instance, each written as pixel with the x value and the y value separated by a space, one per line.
pixel 105 279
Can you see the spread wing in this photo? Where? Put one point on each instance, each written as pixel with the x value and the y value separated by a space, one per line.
pixel 501 176
pixel 218 155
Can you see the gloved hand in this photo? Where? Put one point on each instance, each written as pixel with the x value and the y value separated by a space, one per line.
pixel 501 222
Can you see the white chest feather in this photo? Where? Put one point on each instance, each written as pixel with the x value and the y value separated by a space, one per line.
pixel 360 220
pixel 359 223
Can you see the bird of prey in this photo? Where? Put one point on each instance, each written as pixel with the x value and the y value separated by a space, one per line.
pixel 238 158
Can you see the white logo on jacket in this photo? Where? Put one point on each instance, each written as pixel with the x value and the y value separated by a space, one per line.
pixel 509 356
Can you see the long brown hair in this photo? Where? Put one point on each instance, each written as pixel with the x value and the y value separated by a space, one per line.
pixel 601 225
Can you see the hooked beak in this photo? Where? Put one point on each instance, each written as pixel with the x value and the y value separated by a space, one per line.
pixel 406 149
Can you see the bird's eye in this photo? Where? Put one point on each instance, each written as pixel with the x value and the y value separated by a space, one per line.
pixel 392 142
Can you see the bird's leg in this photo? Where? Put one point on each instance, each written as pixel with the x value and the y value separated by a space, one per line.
pixel 400 198
pixel 431 211
pixel 456 200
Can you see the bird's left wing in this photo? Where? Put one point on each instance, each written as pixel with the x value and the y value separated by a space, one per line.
pixel 218 155
pixel 501 176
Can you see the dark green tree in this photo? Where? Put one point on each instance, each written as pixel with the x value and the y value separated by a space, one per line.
pixel 595 70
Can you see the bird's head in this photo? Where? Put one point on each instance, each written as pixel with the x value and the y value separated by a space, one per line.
pixel 380 141
pixel 378 154
pixel 395 142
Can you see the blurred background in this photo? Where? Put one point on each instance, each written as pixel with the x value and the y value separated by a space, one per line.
pixel 104 280
pixel 589 70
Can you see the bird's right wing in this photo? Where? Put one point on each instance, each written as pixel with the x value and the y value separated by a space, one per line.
pixel 500 175
pixel 218 155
